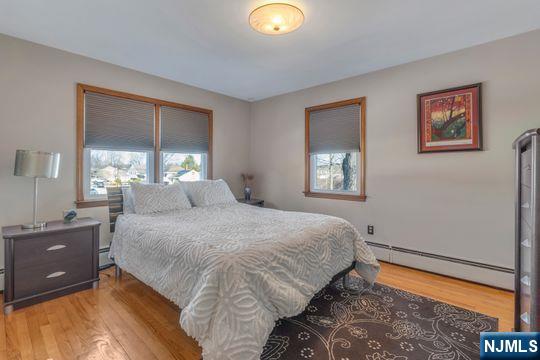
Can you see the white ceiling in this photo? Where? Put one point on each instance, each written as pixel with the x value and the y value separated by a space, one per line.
pixel 209 44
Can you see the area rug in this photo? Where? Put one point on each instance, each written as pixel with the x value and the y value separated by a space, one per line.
pixel 381 323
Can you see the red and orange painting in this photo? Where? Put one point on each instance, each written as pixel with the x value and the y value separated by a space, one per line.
pixel 450 120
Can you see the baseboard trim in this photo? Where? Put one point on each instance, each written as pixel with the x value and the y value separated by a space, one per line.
pixel 442 257
pixel 474 271
pixel 448 276
pixel 106 266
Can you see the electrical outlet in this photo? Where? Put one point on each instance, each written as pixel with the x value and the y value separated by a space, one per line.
pixel 370 229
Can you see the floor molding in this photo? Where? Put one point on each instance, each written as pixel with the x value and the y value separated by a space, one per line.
pixel 443 257
pixel 474 271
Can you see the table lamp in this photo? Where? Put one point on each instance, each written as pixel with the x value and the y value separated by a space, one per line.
pixel 36 164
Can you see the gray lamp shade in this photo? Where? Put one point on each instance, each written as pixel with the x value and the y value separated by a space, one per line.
pixel 37 164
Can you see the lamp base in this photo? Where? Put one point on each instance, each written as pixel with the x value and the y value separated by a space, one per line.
pixel 37 225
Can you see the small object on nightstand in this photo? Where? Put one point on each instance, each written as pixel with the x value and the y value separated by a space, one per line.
pixel 254 202
pixel 247 193
pixel 41 264
pixel 69 216
pixel 247 179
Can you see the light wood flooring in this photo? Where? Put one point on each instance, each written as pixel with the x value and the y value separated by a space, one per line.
pixel 124 319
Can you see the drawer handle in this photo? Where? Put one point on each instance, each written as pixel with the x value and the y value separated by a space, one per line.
pixel 56 274
pixel 56 247
pixel 525 317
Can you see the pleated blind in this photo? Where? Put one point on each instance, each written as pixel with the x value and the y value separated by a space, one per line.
pixel 183 130
pixel 335 130
pixel 116 123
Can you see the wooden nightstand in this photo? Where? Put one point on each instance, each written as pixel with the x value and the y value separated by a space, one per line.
pixel 254 202
pixel 50 262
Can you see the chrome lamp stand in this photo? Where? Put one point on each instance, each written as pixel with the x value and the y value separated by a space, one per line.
pixel 35 224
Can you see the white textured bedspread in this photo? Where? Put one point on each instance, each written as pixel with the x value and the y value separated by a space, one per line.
pixel 235 269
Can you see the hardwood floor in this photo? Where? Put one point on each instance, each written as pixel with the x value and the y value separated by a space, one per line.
pixel 124 319
pixel 483 299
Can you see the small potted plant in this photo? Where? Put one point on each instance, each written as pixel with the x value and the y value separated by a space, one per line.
pixel 247 179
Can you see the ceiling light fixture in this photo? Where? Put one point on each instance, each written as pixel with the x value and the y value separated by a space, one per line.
pixel 276 18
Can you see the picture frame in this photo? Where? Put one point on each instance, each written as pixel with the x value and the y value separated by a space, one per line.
pixel 450 119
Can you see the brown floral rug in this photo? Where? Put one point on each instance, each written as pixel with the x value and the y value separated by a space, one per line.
pixel 382 323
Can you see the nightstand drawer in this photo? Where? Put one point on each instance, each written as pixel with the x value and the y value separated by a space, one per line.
pixel 52 275
pixel 55 248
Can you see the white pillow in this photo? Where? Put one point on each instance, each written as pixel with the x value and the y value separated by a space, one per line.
pixel 208 192
pixel 129 207
pixel 154 198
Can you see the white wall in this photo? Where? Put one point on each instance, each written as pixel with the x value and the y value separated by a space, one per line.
pixel 456 204
pixel 38 111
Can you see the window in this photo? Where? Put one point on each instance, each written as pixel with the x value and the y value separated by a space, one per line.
pixel 124 138
pixel 182 167
pixel 335 150
pixel 184 145
pixel 335 173
pixel 114 168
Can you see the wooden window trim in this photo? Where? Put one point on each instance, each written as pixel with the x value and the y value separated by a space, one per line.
pixel 307 185
pixel 81 202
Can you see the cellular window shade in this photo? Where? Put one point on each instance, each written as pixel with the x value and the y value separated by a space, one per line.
pixel 116 123
pixel 334 130
pixel 183 130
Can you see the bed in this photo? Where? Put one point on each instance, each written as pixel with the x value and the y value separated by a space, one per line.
pixel 235 269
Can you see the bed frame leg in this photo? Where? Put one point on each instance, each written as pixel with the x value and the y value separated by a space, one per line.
pixel 117 271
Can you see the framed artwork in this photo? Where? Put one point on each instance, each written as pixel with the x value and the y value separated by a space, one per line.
pixel 450 120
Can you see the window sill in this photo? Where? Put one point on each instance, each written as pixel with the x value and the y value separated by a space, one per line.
pixel 361 197
pixel 83 204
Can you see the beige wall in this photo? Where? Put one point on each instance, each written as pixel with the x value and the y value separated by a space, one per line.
pixel 37 111
pixel 455 204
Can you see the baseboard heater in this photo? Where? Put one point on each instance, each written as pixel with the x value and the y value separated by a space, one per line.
pixel 442 257
pixel 101 251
